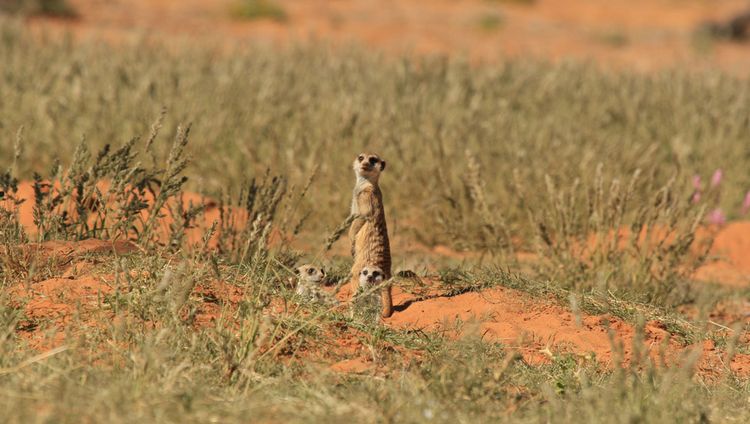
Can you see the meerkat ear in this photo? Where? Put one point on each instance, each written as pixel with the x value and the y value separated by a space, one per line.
pixel 382 165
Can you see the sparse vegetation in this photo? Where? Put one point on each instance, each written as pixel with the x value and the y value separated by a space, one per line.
pixel 490 21
pixel 259 9
pixel 614 38
pixel 56 8
pixel 736 28
pixel 187 315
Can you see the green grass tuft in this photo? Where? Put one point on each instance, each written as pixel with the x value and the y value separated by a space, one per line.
pixel 53 8
pixel 490 21
pixel 259 9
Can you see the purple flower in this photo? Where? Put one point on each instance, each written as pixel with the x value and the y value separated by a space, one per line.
pixel 697 182
pixel 716 217
pixel 716 178
pixel 696 196
pixel 746 204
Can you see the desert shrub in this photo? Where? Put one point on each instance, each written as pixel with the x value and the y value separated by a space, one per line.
pixel 112 195
pixel 246 220
pixel 469 217
pixel 595 233
pixel 58 8
pixel 258 9
pixel 109 196
pixel 490 21
pixel 11 231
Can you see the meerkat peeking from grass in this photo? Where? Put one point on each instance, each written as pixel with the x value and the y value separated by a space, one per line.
pixel 367 304
pixel 368 232
pixel 309 284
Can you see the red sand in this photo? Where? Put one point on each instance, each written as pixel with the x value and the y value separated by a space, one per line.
pixel 194 235
pixel 536 328
pixel 639 34
pixel 730 256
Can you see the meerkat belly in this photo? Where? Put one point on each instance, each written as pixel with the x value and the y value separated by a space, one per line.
pixel 373 248
pixel 372 245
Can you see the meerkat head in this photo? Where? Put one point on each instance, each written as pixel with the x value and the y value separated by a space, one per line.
pixel 370 275
pixel 368 166
pixel 310 273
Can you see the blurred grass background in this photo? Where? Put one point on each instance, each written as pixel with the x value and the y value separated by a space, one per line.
pixel 480 157
pixel 297 110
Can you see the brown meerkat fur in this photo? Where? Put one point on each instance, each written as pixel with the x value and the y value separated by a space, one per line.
pixel 368 232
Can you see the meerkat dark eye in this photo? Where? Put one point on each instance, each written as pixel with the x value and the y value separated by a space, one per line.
pixel 361 158
pixel 310 271
pixel 373 160
pixel 364 272
pixel 375 274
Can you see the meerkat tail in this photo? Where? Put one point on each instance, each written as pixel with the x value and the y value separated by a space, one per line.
pixel 387 300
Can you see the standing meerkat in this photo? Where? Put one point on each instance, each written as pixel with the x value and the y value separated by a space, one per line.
pixel 368 303
pixel 368 232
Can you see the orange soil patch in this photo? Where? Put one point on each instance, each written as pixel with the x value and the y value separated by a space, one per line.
pixel 730 262
pixel 71 304
pixel 530 326
pixel 193 235
pixel 729 257
pixel 51 305
pixel 352 366
pixel 345 350
pixel 639 34
pixel 214 295
pixel 62 249
pixel 534 328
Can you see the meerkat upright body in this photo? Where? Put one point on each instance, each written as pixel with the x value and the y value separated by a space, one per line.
pixel 369 232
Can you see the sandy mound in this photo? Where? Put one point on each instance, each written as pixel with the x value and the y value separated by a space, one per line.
pixel 70 303
pixel 536 328
pixel 65 249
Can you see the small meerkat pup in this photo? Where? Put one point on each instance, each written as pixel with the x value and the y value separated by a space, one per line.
pixel 368 232
pixel 309 280
pixel 367 304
